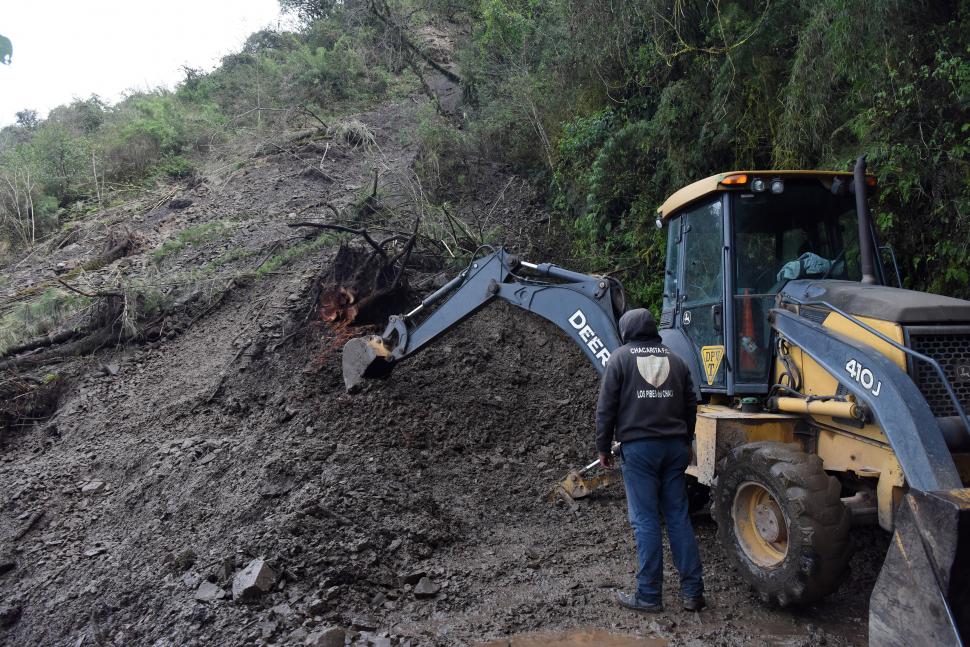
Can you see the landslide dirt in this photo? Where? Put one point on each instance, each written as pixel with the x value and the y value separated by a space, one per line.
pixel 181 460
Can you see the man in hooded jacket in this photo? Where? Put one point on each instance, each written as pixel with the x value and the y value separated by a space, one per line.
pixel 647 404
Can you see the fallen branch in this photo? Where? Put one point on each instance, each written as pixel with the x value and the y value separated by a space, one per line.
pixel 90 295
pixel 306 110
pixel 85 345
pixel 44 341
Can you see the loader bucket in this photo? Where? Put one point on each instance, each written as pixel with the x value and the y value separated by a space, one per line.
pixel 365 357
pixel 922 594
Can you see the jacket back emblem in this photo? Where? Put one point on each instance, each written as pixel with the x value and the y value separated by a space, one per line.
pixel 654 369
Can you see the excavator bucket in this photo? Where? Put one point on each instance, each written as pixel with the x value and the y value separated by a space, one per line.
pixel 577 485
pixel 922 595
pixel 365 357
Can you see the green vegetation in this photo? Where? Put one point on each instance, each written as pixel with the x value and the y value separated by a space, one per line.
pixel 47 313
pixel 290 254
pixel 228 257
pixel 86 152
pixel 608 106
pixel 613 106
pixel 189 237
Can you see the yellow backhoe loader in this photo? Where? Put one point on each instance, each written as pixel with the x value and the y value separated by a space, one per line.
pixel 830 398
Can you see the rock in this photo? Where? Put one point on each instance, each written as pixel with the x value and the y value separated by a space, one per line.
pixel 269 628
pixel 257 578
pixel 191 580
pixel 110 369
pixel 364 622
pixel 381 642
pixel 298 635
pixel 10 614
pixel 425 588
pixel 329 637
pixel 414 577
pixel 316 607
pixel 198 616
pixel 208 592
pixel 282 610
pixel 224 569
pixel 184 560
pixel 92 487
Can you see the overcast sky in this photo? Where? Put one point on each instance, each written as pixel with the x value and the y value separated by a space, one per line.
pixel 74 48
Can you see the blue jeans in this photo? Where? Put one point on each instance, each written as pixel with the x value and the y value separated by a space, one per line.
pixel 653 473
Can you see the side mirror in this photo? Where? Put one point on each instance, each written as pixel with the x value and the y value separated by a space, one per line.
pixel 718 316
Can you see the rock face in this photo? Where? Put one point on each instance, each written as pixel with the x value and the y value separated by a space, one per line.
pixel 254 580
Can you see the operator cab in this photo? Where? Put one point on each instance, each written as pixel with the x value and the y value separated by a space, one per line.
pixel 766 228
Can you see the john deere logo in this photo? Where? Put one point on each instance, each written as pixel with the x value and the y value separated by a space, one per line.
pixel 961 373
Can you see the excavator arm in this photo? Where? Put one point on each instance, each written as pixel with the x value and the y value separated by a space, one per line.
pixel 585 307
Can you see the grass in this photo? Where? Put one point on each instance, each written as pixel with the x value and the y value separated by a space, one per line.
pixel 189 237
pixel 228 257
pixel 353 132
pixel 287 256
pixel 48 312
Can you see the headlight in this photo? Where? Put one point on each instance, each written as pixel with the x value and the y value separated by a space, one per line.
pixel 758 185
pixel 777 186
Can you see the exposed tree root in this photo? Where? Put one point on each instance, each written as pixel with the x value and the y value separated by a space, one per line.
pixel 24 400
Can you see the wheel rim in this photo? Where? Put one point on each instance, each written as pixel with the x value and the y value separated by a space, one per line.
pixel 760 525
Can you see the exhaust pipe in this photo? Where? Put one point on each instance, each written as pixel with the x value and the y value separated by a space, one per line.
pixel 866 252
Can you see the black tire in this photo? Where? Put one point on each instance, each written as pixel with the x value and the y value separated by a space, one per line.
pixel 767 484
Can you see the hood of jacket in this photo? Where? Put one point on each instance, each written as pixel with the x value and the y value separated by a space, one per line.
pixel 638 325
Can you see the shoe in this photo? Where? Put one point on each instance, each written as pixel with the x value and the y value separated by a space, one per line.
pixel 637 603
pixel 695 604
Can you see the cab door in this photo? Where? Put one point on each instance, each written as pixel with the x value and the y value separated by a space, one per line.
pixel 701 307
